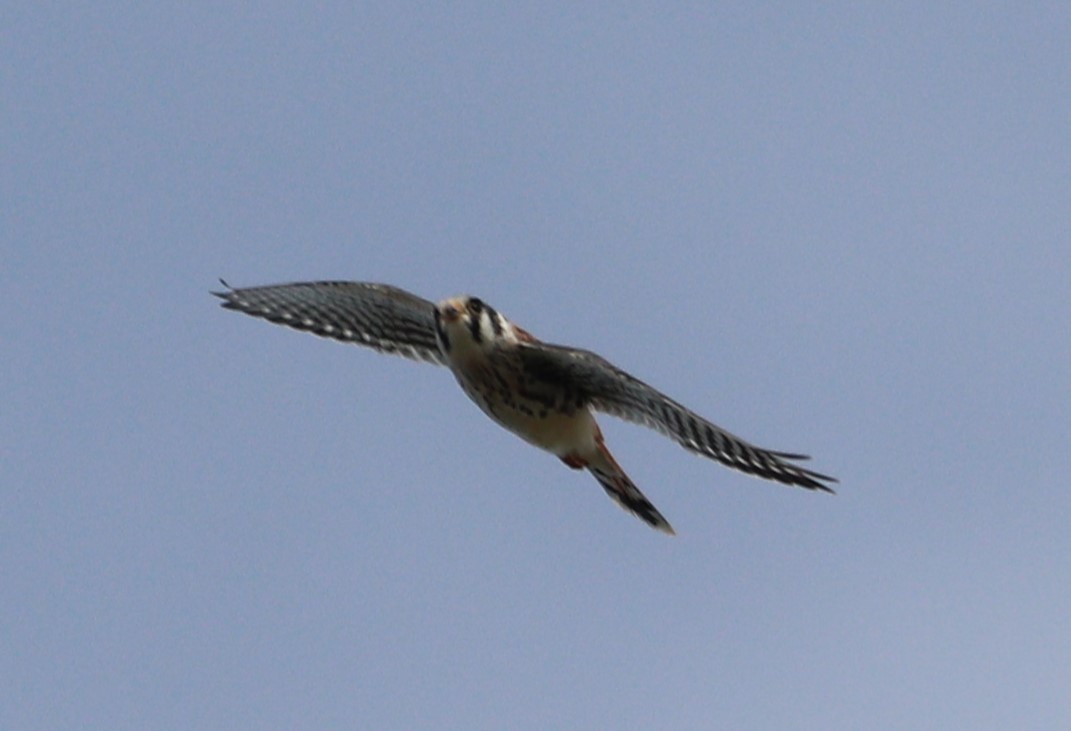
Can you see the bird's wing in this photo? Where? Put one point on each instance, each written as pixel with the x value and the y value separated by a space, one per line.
pixel 592 379
pixel 379 316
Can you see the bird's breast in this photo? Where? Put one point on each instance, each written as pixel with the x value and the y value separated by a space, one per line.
pixel 536 412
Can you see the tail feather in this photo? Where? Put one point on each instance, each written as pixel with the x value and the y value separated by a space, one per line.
pixel 625 493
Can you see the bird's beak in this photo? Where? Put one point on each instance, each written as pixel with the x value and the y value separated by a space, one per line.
pixel 450 312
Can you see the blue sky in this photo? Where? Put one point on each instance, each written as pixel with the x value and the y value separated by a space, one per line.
pixel 841 230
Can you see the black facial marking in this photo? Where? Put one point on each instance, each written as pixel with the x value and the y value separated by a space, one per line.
pixel 496 326
pixel 474 322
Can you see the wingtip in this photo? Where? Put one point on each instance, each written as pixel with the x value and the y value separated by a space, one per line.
pixel 790 455
pixel 223 295
pixel 819 482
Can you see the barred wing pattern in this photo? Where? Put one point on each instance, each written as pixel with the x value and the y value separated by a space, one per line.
pixel 593 380
pixel 380 316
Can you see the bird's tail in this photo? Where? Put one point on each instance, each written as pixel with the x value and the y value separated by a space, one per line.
pixel 624 491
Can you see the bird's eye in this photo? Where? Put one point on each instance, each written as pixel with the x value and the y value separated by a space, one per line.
pixel 475 305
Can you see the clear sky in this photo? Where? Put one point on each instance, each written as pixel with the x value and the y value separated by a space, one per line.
pixel 839 230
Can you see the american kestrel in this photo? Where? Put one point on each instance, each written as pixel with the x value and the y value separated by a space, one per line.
pixel 545 394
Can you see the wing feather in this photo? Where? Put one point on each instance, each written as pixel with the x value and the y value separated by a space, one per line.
pixel 592 379
pixel 378 316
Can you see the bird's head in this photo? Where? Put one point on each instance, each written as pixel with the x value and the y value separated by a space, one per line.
pixel 468 322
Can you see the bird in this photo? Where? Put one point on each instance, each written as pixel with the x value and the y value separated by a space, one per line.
pixel 544 393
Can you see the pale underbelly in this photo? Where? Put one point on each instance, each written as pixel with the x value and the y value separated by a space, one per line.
pixel 555 431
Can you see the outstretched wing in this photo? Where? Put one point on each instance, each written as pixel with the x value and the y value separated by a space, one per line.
pixel 593 380
pixel 380 316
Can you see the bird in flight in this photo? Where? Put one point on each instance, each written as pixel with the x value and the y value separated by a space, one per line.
pixel 545 394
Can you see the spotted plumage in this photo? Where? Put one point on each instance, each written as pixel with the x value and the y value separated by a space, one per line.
pixel 546 394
